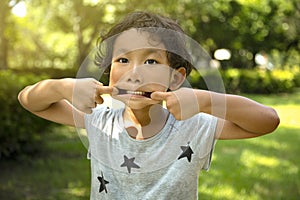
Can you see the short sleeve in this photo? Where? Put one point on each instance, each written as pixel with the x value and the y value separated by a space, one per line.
pixel 93 122
pixel 207 163
pixel 205 138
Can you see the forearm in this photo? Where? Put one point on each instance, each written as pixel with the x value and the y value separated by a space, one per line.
pixel 245 113
pixel 43 94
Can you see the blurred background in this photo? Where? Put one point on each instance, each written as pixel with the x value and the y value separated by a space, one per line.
pixel 254 45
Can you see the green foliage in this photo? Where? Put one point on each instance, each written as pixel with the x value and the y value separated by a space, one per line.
pixel 20 131
pixel 258 81
pixel 60 34
pixel 252 81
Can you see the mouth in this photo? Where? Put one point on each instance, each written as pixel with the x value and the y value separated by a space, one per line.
pixel 140 93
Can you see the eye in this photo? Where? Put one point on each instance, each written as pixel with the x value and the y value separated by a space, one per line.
pixel 151 62
pixel 122 60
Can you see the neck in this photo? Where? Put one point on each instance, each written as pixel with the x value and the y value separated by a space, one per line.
pixel 145 123
pixel 139 117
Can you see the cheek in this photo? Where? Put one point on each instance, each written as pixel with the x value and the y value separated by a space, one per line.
pixel 114 76
pixel 159 76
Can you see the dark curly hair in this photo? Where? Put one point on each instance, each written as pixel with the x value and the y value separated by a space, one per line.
pixel 169 32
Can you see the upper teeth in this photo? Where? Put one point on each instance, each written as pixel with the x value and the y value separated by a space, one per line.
pixel 135 92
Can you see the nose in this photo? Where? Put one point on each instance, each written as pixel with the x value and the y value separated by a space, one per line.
pixel 134 76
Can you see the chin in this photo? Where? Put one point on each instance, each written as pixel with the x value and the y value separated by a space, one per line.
pixel 137 104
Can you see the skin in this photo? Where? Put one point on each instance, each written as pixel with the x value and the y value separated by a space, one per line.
pixel 66 101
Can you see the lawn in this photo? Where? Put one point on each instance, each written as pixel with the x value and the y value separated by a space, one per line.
pixel 260 168
pixel 60 172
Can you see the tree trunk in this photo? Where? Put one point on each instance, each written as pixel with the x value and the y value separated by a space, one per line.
pixel 4 11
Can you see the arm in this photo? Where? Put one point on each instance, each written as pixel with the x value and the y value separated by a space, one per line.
pixel 243 117
pixel 64 101
pixel 238 117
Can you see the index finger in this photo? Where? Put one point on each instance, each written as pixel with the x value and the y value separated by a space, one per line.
pixel 159 96
pixel 105 90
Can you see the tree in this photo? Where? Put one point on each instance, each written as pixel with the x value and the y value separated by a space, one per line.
pixel 248 27
pixel 5 12
pixel 58 34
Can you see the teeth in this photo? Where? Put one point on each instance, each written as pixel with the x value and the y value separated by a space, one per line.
pixel 135 92
pixel 141 93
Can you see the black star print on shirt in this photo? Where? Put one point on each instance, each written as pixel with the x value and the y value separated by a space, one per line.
pixel 103 183
pixel 186 152
pixel 129 163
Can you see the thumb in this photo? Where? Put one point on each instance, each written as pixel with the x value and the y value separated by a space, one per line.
pixel 159 96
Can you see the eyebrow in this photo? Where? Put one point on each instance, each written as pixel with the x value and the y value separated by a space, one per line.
pixel 147 51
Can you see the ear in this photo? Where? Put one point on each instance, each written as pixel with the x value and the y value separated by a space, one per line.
pixel 177 78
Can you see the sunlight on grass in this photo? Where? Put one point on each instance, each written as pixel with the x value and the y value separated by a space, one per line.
pixel 289 115
pixel 251 160
pixel 75 189
pixel 225 192
pixel 254 161
pixel 269 144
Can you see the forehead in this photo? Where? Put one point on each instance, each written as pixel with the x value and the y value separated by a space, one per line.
pixel 133 39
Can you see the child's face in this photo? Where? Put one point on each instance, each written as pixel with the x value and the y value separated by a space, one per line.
pixel 139 67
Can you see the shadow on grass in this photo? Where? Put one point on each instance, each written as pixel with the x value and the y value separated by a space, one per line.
pixel 60 171
pixel 260 168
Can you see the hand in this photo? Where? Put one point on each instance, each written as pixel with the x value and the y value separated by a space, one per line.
pixel 182 103
pixel 87 94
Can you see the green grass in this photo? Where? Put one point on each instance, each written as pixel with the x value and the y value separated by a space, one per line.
pixel 266 167
pixel 261 168
pixel 61 171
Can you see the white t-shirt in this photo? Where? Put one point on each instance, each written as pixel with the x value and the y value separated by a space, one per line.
pixel 165 166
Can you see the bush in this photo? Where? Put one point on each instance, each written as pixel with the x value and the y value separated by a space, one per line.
pixel 296 71
pixel 283 80
pixel 260 81
pixel 264 82
pixel 253 81
pixel 208 80
pixel 20 131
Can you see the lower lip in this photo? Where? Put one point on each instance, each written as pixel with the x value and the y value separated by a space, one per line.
pixel 133 96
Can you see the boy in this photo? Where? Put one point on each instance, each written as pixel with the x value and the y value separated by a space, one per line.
pixel 144 151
